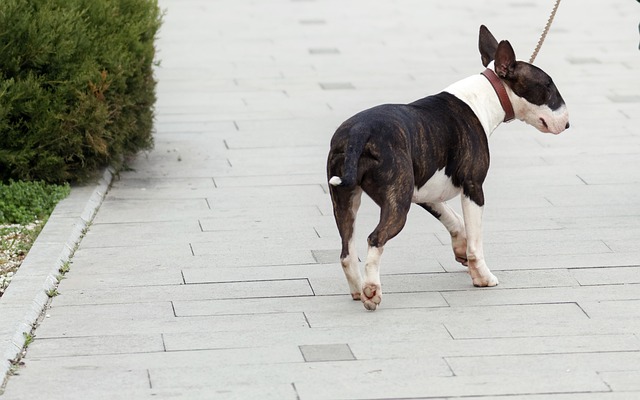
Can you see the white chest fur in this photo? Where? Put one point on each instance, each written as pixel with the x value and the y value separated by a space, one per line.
pixel 438 188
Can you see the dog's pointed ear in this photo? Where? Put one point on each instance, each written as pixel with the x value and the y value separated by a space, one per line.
pixel 505 60
pixel 487 45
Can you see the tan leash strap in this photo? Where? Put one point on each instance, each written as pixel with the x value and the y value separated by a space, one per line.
pixel 545 32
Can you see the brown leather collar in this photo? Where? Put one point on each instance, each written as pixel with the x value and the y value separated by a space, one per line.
pixel 498 86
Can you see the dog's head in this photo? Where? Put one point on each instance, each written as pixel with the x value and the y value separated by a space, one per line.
pixel 535 98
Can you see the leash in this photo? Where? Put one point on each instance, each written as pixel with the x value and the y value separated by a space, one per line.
pixel 545 32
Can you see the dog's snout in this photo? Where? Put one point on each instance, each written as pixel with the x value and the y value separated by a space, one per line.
pixel 544 123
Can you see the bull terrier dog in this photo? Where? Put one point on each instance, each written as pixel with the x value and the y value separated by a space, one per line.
pixel 428 152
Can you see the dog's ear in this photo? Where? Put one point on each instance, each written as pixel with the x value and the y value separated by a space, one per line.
pixel 487 45
pixel 505 60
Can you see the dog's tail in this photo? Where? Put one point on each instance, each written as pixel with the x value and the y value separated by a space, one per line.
pixel 358 137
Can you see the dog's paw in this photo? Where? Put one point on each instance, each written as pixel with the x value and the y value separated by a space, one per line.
pixel 371 296
pixel 487 280
pixel 355 296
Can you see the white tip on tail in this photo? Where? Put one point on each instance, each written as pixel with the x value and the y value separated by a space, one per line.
pixel 335 181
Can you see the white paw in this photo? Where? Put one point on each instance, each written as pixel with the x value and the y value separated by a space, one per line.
pixel 486 280
pixel 371 296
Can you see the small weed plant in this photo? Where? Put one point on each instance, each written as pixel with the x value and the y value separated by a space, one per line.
pixel 26 202
pixel 24 208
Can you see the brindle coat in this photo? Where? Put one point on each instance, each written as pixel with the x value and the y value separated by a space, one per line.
pixel 399 147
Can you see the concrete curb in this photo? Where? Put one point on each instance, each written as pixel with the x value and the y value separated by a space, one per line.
pixel 26 297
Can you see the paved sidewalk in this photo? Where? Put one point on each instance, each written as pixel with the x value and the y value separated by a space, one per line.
pixel 211 269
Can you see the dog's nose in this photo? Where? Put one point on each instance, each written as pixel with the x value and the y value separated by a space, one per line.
pixel 567 126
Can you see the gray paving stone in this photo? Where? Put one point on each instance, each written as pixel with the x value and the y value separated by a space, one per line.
pixel 142 234
pixel 560 294
pixel 261 289
pixel 199 273
pixel 283 196
pixel 625 99
pixel 612 309
pixel 305 373
pixel 205 356
pixel 95 345
pixel 262 305
pixel 381 387
pixel 240 256
pixel 181 292
pixel 143 184
pixel 568 396
pixel 336 85
pixel 265 211
pixel 269 180
pixel 598 221
pixel 430 347
pixel 602 178
pixel 186 341
pixel 194 127
pixel 74 382
pixel 323 50
pixel 84 324
pixel 242 130
pixel 92 318
pixel 498 317
pixel 551 363
pixel 607 276
pixel 326 352
pixel 312 21
pixel 547 248
pixel 622 381
pixel 555 327
pixel 87 278
pixel 263 234
pixel 120 260
pixel 621 245
pixel 277 139
pixel 134 210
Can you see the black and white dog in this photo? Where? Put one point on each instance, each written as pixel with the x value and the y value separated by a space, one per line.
pixel 428 152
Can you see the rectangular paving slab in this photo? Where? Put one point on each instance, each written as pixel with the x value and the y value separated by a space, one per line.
pixel 212 268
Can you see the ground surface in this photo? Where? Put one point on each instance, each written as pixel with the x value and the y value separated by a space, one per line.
pixel 211 269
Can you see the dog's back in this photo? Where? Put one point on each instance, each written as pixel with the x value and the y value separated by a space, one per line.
pixel 429 132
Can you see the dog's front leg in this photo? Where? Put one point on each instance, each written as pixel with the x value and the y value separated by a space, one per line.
pixel 478 269
pixel 454 224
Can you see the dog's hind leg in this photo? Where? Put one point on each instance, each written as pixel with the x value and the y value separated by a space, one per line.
pixel 394 207
pixel 454 224
pixel 346 202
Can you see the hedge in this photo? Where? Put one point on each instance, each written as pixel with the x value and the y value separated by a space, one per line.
pixel 76 85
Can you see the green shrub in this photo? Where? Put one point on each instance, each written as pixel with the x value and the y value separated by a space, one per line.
pixel 76 85
pixel 26 202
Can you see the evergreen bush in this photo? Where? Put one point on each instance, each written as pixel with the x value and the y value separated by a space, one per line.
pixel 76 85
